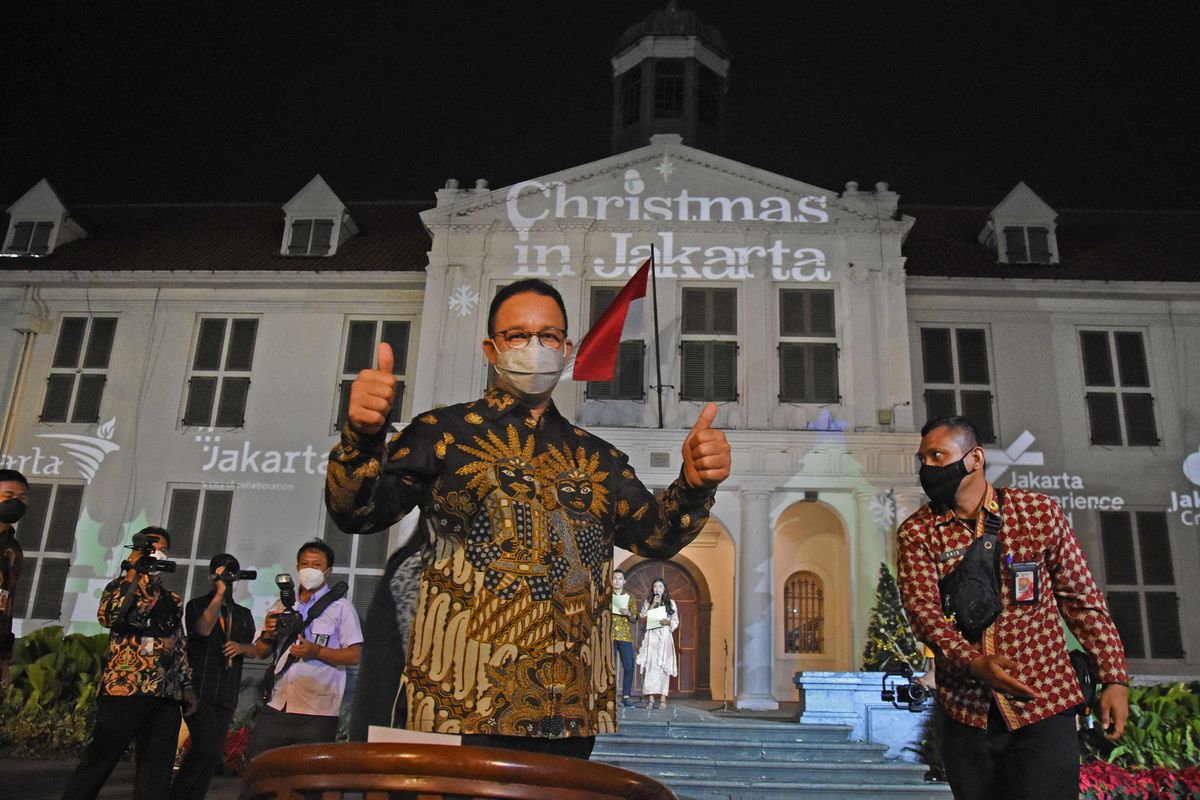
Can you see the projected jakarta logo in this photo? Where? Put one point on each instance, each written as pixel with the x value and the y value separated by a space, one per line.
pixel 86 452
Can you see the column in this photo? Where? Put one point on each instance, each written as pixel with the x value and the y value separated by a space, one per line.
pixel 755 617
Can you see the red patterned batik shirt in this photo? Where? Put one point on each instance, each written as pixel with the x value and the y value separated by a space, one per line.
pixel 1034 531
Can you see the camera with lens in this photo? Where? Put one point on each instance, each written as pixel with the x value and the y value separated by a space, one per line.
pixel 288 623
pixel 148 564
pixel 904 693
pixel 233 571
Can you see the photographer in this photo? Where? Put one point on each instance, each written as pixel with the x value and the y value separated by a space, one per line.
pixel 14 493
pixel 219 636
pixel 312 643
pixel 144 676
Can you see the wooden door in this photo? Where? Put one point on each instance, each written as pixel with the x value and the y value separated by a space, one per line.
pixel 638 581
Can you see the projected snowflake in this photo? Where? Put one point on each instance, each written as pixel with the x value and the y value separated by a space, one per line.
pixel 464 300
pixel 666 168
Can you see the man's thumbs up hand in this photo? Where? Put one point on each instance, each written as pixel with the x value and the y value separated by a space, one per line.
pixel 372 393
pixel 705 452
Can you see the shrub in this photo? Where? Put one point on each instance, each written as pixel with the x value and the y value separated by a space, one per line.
pixel 1163 730
pixel 1102 781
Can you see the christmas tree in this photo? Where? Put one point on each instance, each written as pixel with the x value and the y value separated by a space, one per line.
pixel 890 642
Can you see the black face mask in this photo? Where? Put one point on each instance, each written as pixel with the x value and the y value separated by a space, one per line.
pixel 11 510
pixel 941 483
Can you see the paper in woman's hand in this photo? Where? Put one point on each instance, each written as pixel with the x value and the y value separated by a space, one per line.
pixel 656 618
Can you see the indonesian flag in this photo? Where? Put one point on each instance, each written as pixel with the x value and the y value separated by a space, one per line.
pixel 624 320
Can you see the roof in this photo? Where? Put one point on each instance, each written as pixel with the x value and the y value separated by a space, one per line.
pixel 1092 245
pixel 672 21
pixel 228 238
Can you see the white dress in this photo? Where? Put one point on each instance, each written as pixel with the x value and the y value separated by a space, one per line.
pixel 656 658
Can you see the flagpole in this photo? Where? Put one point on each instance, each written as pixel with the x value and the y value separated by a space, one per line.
pixel 657 354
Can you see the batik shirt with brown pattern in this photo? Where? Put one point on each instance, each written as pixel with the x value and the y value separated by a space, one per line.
pixel 513 627
pixel 1034 530
pixel 136 663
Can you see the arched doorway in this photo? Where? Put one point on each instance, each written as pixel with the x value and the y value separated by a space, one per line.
pixel 691 638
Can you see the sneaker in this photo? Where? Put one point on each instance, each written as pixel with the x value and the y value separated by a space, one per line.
pixel 628 703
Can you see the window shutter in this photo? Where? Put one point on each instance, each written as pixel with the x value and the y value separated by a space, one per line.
pixel 940 403
pixel 1039 245
pixel 1162 611
pixel 695 306
pixel 793 370
pixel 692 370
pixel 1126 610
pixel 242 335
pixel 395 333
pixel 372 552
pixel 22 232
pixel 209 343
pixel 631 97
pixel 87 398
pixel 1139 419
pixel 1102 413
pixel 724 371
pixel 100 342
pixel 724 311
pixel 301 232
pixel 936 358
pixel 821 318
pixel 58 397
pixel 1097 363
pixel 972 356
pixel 824 372
pixel 1116 540
pixel 40 242
pixel 1131 359
pixel 977 407
pixel 68 501
pixel 322 237
pixel 1154 545
pixel 214 523
pixel 630 377
pixel 231 409
pixel 202 392
pixel 343 404
pixel 360 347
pixel 37 512
pixel 791 313
pixel 70 343
pixel 1014 245
pixel 181 519
pixel 341 542
pixel 52 579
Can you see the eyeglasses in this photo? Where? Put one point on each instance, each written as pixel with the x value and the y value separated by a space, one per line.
pixel 516 338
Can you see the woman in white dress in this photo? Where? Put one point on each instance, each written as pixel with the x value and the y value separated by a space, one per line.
pixel 656 658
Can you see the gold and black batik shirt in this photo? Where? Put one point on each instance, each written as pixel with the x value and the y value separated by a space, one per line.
pixel 512 632
pixel 138 661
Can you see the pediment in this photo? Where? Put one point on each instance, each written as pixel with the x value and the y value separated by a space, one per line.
pixel 42 201
pixel 663 183
pixel 314 200
pixel 1023 204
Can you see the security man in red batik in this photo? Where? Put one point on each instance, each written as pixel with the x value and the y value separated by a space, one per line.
pixel 1009 694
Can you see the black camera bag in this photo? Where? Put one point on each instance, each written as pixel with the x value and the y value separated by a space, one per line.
pixel 971 592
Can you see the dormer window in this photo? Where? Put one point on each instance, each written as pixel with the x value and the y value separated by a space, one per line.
pixel 310 237
pixel 1026 245
pixel 30 238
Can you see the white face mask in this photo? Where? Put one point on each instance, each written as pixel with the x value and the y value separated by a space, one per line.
pixel 311 578
pixel 159 554
pixel 531 372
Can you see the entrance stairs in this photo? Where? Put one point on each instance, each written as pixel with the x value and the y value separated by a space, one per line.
pixel 703 755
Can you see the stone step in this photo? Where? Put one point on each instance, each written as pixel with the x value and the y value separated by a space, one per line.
pixel 748 750
pixel 734 731
pixel 743 773
pixel 686 789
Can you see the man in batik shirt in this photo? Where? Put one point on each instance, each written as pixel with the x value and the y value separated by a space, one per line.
pixel 511 644
pixel 142 682
pixel 1009 697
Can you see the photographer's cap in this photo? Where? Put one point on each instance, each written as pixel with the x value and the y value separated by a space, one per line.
pixel 225 560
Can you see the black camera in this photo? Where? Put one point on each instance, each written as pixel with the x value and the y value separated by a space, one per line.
pixel 288 623
pixel 238 575
pixel 147 564
pixel 905 693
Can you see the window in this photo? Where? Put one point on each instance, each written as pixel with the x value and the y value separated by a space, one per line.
pixel 709 350
pixel 957 377
pixel 804 614
pixel 668 89
pixel 30 238
pixel 631 96
pixel 362 336
pixel 359 560
pixel 47 534
pixel 220 378
pixel 628 381
pixel 1024 245
pixel 79 369
pixel 198 521
pixel 808 351
pixel 1140 582
pixel 708 103
pixel 310 237
pixel 1116 381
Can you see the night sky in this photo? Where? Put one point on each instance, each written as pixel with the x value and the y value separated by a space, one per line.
pixel 950 103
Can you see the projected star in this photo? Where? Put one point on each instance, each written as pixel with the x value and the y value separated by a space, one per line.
pixel 665 168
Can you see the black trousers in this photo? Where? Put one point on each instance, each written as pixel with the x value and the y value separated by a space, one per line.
pixel 624 651
pixel 573 746
pixel 208 728
pixel 280 728
pixel 1036 762
pixel 151 722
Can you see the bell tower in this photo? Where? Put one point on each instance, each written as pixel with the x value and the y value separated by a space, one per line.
pixel 670 75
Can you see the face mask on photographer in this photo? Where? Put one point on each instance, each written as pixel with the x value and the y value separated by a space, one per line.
pixel 11 510
pixel 311 578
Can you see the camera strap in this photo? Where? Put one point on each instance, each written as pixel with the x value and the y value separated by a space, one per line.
pixel 335 593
